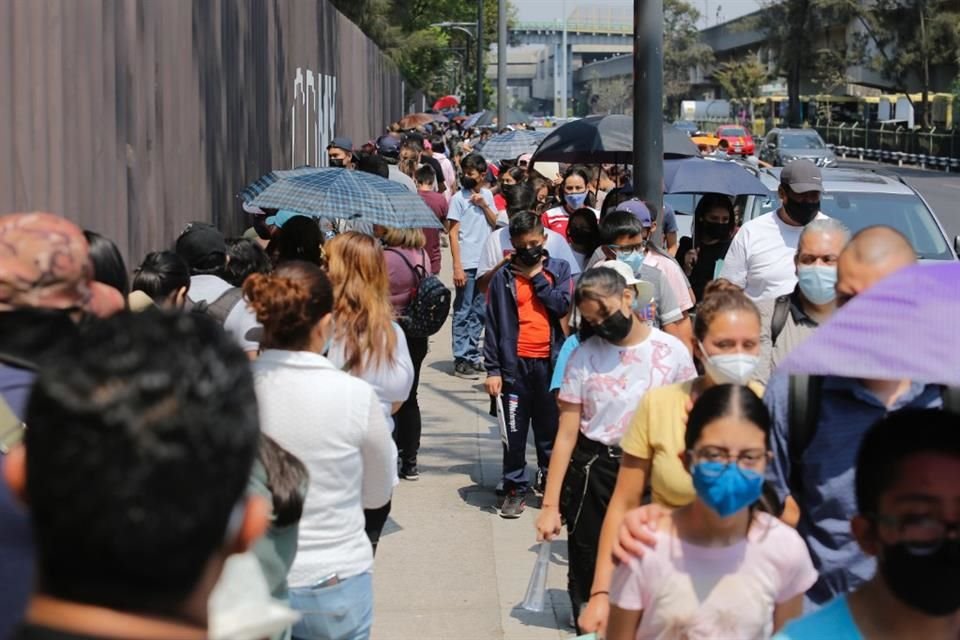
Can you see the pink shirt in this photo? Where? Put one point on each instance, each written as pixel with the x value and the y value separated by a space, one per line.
pixel 688 591
pixel 675 278
pixel 403 281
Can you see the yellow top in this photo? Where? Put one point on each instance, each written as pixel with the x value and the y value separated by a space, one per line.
pixel 656 433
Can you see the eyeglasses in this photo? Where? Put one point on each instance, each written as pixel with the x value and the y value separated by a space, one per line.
pixel 746 459
pixel 628 248
pixel 921 534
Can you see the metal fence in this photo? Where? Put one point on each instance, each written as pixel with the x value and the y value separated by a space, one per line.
pixel 935 148
pixel 135 117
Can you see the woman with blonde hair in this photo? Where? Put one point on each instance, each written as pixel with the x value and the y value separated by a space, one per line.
pixel 407 264
pixel 366 342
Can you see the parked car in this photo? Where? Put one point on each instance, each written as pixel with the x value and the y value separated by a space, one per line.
pixel 739 139
pixel 686 126
pixel 860 198
pixel 782 146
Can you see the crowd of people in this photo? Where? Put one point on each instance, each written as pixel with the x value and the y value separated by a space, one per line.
pixel 257 397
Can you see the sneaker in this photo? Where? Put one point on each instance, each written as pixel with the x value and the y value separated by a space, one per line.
pixel 513 505
pixel 409 472
pixel 478 367
pixel 465 370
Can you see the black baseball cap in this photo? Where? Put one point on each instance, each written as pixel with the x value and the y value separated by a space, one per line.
pixel 200 243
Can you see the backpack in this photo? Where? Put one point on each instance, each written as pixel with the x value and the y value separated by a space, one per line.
pixel 220 308
pixel 804 393
pixel 780 312
pixel 429 306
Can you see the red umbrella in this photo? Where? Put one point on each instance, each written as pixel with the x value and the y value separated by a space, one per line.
pixel 446 102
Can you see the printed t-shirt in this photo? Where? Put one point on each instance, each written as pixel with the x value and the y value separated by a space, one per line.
pixel 833 621
pixel 533 338
pixel 557 219
pixel 609 380
pixel 474 229
pixel 689 591
pixel 657 432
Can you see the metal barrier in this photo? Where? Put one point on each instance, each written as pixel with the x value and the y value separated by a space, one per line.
pixel 934 148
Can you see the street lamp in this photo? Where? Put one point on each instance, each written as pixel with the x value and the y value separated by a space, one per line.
pixel 477 33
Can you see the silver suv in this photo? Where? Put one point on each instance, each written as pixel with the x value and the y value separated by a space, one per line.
pixel 860 198
pixel 780 147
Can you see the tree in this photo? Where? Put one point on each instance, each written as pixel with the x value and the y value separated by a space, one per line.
pixel 742 79
pixel 682 50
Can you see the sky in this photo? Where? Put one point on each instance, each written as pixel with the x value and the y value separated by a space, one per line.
pixel 550 10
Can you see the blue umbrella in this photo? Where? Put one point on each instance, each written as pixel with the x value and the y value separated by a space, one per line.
pixel 705 175
pixel 510 145
pixel 341 194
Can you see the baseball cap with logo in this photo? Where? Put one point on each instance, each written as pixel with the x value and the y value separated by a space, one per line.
pixel 802 176
pixel 638 208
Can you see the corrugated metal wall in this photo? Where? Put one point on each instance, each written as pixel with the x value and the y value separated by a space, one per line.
pixel 134 117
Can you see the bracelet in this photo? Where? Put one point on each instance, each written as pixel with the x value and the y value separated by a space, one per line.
pixel 600 593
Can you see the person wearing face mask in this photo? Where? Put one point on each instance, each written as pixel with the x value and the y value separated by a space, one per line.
pixel 790 319
pixel 760 255
pixel 604 378
pixel 526 304
pixel 340 153
pixel 719 568
pixel 714 222
pixel 583 233
pixel 907 502
pixel 728 345
pixel 575 195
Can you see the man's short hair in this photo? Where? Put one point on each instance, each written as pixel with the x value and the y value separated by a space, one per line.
pixel 525 222
pixel 520 197
pixel 373 163
pixel 139 450
pixel 425 175
pixel 830 226
pixel 617 224
pixel 895 438
pixel 475 162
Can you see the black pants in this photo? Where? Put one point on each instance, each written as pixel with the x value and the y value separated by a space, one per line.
pixel 407 421
pixel 527 401
pixel 374 521
pixel 584 498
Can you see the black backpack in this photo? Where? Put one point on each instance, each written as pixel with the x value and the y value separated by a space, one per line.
pixel 804 393
pixel 780 310
pixel 429 306
pixel 220 308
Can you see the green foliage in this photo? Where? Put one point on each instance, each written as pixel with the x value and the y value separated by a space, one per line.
pixel 682 49
pixel 741 79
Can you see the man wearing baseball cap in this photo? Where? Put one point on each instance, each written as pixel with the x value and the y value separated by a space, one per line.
pixel 760 258
pixel 340 152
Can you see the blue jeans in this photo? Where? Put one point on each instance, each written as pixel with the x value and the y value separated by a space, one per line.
pixel 468 314
pixel 341 612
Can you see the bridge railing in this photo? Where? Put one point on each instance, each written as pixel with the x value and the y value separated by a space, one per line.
pixel 576 27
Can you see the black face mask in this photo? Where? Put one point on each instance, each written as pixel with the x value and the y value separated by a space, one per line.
pixel 615 328
pixel 802 212
pixel 337 162
pixel 468 183
pixel 715 230
pixel 928 583
pixel 529 256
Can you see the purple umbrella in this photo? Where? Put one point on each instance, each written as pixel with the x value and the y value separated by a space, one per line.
pixel 904 327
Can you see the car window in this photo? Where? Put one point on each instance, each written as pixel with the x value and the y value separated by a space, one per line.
pixel 733 131
pixel 801 141
pixel 904 212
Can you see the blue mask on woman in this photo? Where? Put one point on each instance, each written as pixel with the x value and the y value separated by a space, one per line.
pixel 575 200
pixel 726 488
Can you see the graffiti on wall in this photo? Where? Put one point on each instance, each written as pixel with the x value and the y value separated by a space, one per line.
pixel 314 117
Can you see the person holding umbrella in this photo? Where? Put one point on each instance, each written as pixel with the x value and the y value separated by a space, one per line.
pixel 714 224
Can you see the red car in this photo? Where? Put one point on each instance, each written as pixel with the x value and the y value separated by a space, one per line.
pixel 740 140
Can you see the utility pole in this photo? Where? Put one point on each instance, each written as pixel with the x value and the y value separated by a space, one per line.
pixel 564 70
pixel 648 104
pixel 480 69
pixel 502 64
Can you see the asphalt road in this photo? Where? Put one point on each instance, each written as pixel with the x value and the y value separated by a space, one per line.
pixel 940 190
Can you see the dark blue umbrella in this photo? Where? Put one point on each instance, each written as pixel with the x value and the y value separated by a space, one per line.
pixel 341 194
pixel 705 175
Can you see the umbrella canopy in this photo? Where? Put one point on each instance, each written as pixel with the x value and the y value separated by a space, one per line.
pixel 341 194
pixel 488 118
pixel 510 145
pixel 904 327
pixel 414 120
pixel 608 138
pixel 446 102
pixel 706 175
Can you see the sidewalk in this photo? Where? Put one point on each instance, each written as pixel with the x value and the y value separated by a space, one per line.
pixel 448 567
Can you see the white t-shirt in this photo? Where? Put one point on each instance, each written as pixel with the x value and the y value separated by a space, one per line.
pixel 689 591
pixel 609 381
pixel 241 319
pixel 556 245
pixel 760 258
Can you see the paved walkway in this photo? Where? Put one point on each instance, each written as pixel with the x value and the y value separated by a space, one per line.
pixel 448 567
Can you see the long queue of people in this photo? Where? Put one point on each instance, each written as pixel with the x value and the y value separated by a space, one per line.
pixel 154 453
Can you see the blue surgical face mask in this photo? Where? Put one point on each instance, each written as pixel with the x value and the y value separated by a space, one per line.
pixel 575 200
pixel 818 284
pixel 726 488
pixel 633 259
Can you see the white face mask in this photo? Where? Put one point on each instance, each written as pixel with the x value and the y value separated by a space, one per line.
pixel 730 368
